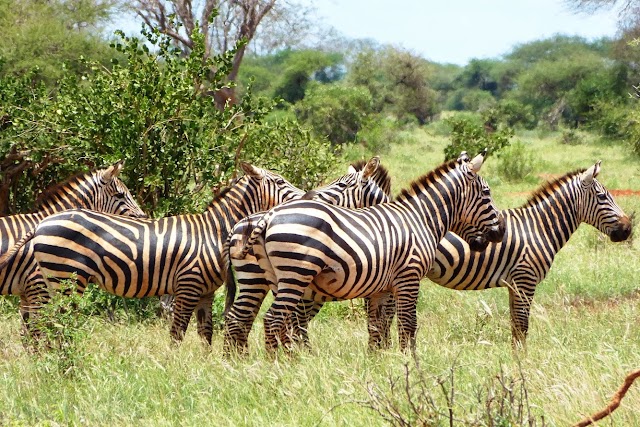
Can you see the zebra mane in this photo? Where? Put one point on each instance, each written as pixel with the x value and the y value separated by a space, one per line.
pixel 55 189
pixel 219 193
pixel 550 187
pixel 380 176
pixel 425 180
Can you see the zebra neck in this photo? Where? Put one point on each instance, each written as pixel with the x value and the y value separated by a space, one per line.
pixel 435 209
pixel 229 209
pixel 76 193
pixel 555 217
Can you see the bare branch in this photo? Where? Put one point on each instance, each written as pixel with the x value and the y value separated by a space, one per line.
pixel 614 403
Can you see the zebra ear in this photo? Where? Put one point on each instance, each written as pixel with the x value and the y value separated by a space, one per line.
pixel 371 167
pixel 463 157
pixel 113 171
pixel 251 170
pixel 592 172
pixel 351 169
pixel 476 163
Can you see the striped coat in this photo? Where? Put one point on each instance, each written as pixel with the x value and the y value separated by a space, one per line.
pixel 534 234
pixel 99 190
pixel 359 253
pixel 178 255
pixel 251 277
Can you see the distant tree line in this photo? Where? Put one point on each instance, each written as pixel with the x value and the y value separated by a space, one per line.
pixel 203 87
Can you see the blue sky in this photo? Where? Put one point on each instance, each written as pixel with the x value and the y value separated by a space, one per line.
pixel 448 31
pixel 457 31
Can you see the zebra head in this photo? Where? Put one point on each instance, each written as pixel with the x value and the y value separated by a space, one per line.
pixel 267 189
pixel 111 195
pixel 363 185
pixel 599 209
pixel 481 221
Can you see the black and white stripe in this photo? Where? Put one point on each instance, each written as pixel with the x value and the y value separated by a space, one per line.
pixel 534 234
pixel 99 190
pixel 246 255
pixel 345 254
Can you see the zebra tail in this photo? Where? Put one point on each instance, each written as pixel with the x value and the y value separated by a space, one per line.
pixel 255 233
pixel 11 253
pixel 230 281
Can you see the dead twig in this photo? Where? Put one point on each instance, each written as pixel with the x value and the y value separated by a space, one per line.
pixel 614 403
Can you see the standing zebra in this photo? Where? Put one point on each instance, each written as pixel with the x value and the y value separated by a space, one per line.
pixel 179 255
pixel 99 190
pixel 534 234
pixel 361 253
pixel 251 276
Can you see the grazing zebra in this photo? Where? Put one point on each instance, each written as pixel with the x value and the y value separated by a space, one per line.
pixel 251 277
pixel 360 253
pixel 534 234
pixel 100 190
pixel 179 255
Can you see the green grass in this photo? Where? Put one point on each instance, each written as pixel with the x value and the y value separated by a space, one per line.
pixel 584 338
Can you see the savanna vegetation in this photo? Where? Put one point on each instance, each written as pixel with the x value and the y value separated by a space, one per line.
pixel 183 102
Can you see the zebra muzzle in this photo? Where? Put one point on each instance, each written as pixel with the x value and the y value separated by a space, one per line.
pixel 622 230
pixel 496 233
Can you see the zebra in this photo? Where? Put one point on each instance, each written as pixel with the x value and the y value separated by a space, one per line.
pixel 178 255
pixel 246 265
pixel 99 190
pixel 535 232
pixel 364 252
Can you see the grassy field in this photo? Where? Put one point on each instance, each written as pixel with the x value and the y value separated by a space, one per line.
pixel 584 338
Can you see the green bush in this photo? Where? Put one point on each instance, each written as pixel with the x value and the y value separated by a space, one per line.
pixel 63 328
pixel 334 111
pixel 473 138
pixel 515 162
pixel 155 110
pixel 380 134
pixel 610 118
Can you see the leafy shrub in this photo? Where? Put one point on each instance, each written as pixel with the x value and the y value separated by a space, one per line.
pixel 473 138
pixel 514 114
pixel 155 110
pixel 63 327
pixel 610 118
pixel 380 134
pixel 334 111
pixel 516 162
pixel 571 137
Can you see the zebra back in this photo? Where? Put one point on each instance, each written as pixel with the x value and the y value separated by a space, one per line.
pixel 365 184
pixel 99 190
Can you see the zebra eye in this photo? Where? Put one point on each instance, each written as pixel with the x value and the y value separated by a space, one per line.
pixel 119 195
pixel 486 192
pixel 342 184
pixel 601 196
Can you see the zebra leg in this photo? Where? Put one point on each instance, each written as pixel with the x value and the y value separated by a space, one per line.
pixel 380 310
pixel 300 318
pixel 276 318
pixel 239 320
pixel 204 316
pixel 35 295
pixel 406 307
pixel 185 302
pixel 520 299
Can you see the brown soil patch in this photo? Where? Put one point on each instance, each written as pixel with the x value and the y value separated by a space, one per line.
pixel 599 304
pixel 618 193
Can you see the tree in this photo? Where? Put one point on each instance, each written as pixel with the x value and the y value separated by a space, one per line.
pixel 149 111
pixel 48 35
pixel 225 25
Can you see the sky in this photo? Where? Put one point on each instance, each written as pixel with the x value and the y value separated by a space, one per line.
pixel 447 31
pixel 453 31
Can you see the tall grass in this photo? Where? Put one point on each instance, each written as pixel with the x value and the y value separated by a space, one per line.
pixel 583 339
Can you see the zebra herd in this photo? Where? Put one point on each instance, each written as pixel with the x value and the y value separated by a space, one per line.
pixel 345 240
